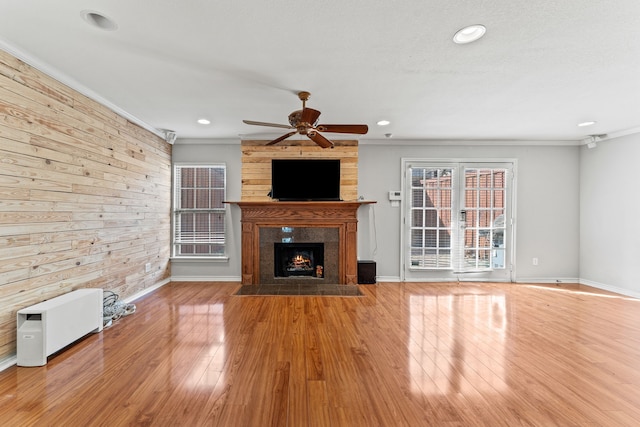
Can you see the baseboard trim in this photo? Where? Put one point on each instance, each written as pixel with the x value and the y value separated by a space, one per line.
pixel 387 279
pixel 147 291
pixel 615 289
pixel 557 280
pixel 8 362
pixel 206 279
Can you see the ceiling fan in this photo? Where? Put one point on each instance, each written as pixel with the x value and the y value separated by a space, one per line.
pixel 305 122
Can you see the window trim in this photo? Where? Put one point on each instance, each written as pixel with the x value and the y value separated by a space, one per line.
pixel 174 212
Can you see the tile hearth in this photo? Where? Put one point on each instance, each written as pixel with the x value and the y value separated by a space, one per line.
pixel 301 289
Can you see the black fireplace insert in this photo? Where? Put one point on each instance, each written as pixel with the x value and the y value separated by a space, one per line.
pixel 298 259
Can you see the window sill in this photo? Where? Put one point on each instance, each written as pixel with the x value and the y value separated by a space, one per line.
pixel 199 259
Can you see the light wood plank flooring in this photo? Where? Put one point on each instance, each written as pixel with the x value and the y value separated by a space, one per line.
pixel 194 354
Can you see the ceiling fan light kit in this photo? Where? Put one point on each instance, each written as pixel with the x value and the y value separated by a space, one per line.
pixel 305 122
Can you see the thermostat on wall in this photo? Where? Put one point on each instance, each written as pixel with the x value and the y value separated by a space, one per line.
pixel 395 195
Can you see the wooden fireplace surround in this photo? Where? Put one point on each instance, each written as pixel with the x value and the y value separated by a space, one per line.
pixel 341 215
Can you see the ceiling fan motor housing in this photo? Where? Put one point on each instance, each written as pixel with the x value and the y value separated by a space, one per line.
pixel 294 118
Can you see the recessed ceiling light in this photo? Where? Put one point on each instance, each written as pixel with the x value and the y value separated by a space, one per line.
pixel 99 20
pixel 204 121
pixel 383 122
pixel 469 34
pixel 589 123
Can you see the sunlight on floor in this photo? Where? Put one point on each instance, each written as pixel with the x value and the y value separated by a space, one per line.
pixel 455 338
pixel 595 293
pixel 199 324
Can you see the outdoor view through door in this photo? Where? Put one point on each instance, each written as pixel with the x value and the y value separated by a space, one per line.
pixel 455 221
pixel 483 219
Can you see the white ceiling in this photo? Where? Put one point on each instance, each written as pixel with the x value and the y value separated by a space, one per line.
pixel 542 67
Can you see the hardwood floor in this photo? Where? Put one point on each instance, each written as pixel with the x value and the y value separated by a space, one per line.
pixel 194 354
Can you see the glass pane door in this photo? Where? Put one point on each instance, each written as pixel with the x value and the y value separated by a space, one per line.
pixel 431 226
pixel 482 217
pixel 455 222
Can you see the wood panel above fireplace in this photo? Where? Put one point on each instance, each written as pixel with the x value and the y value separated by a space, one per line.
pixel 340 215
pixel 257 156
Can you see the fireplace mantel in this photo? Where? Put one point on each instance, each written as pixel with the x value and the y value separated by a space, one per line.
pixel 341 215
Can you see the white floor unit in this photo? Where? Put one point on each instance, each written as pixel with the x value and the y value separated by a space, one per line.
pixel 49 326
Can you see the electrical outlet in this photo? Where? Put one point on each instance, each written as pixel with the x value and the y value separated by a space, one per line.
pixel 147 267
pixel 535 261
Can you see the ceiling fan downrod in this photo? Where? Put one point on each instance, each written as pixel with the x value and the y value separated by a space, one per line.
pixel 304 97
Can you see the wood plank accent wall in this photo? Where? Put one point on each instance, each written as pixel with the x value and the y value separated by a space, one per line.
pixel 85 196
pixel 256 165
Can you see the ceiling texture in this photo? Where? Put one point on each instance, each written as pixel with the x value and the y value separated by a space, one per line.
pixel 542 67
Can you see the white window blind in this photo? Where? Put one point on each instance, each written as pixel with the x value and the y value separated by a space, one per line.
pixel 199 211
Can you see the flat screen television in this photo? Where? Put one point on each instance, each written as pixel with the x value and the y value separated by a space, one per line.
pixel 305 179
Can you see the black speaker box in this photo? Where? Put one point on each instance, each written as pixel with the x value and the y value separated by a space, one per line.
pixel 366 272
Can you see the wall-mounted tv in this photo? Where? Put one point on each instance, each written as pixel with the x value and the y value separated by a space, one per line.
pixel 305 179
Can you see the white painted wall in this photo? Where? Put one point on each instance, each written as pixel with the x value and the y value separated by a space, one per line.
pixel 547 204
pixel 547 201
pixel 227 152
pixel 609 215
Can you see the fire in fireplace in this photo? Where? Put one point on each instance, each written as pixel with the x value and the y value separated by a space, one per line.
pixel 298 259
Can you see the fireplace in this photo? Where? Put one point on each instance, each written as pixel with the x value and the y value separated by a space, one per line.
pixel 332 223
pixel 298 259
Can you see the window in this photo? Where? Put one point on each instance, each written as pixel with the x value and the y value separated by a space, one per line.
pixel 199 211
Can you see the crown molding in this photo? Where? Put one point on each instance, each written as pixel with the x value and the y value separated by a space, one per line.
pixel 73 84
pixel 591 139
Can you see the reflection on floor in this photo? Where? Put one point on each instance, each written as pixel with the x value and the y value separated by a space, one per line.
pixel 301 289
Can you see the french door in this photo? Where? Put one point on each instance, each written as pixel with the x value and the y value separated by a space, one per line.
pixel 457 221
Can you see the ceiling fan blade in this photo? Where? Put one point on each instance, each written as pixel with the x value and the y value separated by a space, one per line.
pixel 309 115
pixel 359 129
pixel 282 138
pixel 319 139
pixel 273 125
